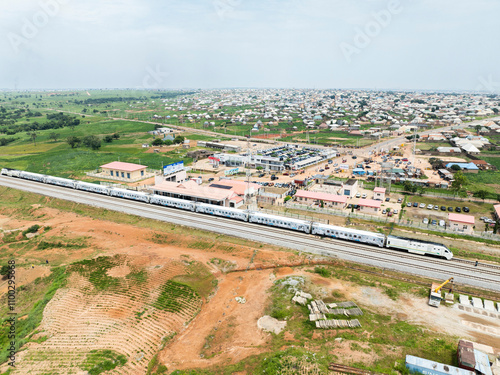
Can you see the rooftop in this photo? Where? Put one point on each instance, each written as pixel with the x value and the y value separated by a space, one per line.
pixel 192 189
pixel 369 203
pixel 321 196
pixel 460 218
pixel 121 166
pixel 379 190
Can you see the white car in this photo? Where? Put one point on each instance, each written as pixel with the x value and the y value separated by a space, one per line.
pixel 441 223
pixel 358 195
pixel 363 196
pixel 436 207
pixel 430 206
pixel 384 212
pixel 422 205
pixel 395 211
pixel 426 221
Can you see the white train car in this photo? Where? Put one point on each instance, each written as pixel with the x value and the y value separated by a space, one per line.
pixel 10 172
pixel 93 188
pixel 280 221
pixel 349 234
pixel 59 181
pixel 129 194
pixel 32 176
pixel 231 213
pixel 172 202
pixel 418 247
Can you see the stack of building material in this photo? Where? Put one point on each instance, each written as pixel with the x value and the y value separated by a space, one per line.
pixel 334 323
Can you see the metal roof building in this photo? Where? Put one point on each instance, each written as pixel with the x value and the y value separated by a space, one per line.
pixel 426 367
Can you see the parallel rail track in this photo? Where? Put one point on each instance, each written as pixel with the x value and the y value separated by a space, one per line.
pixel 464 271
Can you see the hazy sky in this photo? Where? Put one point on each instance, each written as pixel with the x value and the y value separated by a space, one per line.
pixel 407 44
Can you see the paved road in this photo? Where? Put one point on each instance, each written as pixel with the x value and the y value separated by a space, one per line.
pixel 464 273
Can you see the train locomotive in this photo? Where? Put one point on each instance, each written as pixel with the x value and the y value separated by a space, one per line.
pixel 324 230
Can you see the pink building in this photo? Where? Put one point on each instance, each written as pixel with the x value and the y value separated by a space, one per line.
pixel 369 205
pixel 379 193
pixel 461 223
pixel 311 197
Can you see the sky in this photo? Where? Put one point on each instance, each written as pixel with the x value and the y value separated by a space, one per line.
pixel 173 44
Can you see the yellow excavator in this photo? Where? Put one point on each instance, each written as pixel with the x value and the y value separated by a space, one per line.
pixel 435 295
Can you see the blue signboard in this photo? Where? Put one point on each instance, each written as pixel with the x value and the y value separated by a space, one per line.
pixel 174 167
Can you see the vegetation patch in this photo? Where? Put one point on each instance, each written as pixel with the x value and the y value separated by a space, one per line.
pixel 176 297
pixel 99 361
pixel 96 271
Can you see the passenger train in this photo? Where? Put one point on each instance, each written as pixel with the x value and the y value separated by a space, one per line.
pixel 324 230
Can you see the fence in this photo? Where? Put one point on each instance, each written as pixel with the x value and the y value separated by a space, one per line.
pixel 404 223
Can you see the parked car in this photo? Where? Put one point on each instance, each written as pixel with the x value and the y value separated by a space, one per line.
pixel 422 205
pixel 387 199
pixel 458 209
pixel 211 179
pixel 441 223
pixel 415 204
pixel 363 196
pixel 349 205
pixel 433 222
pixel 430 206
pixel 321 170
pixel 450 209
pixel 436 207
pixel 400 200
pixel 395 211
pixel 443 208
pixel 466 209
pixel 482 218
pixel 263 174
pixel 425 221
pixel 390 213
pixel 358 195
pixel 408 204
pixel 354 157
pixel 384 212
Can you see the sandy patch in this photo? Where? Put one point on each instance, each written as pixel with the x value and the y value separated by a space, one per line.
pixel 270 324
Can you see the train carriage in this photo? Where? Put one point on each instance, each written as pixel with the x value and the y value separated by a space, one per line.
pixel 32 176
pixel 59 181
pixel 418 247
pixel 280 221
pixel 10 172
pixel 172 202
pixel 93 188
pixel 129 194
pixel 370 238
pixel 231 213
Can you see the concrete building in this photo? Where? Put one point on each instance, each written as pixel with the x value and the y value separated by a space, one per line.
pixel 496 207
pixel 190 190
pixel 369 205
pixel 219 146
pixel 121 171
pixel 461 223
pixel 379 193
pixel 329 200
pixel 350 187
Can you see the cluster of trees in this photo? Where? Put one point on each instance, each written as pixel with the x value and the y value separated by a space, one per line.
pixel 6 141
pixel 90 141
pixel 168 142
pixel 54 121
pixel 412 188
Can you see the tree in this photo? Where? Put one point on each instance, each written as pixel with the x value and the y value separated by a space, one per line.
pixel 54 136
pixel 168 142
pixel 179 139
pixel 459 181
pixel 5 270
pixel 409 187
pixel 481 194
pixel 92 141
pixel 73 141
pixel 157 142
pixel 420 190
pixel 478 128
pixel 33 136
pixel 456 167
pixel 116 136
pixel 108 138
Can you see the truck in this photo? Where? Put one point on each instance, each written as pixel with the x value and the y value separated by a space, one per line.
pixel 435 293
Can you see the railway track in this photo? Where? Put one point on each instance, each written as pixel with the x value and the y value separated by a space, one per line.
pixel 464 271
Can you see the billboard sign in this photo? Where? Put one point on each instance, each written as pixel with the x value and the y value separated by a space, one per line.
pixel 174 167
pixel 230 172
